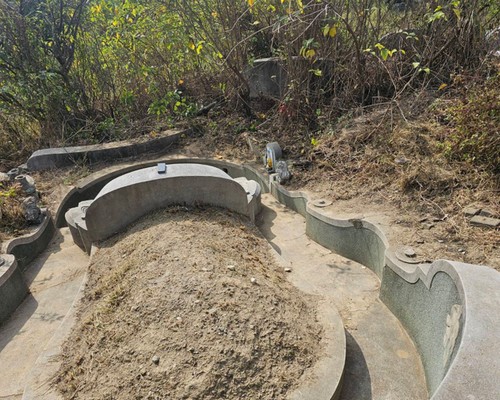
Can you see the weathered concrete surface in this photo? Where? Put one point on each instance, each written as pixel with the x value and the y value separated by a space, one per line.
pixel 26 248
pixel 267 78
pixel 65 156
pixel 382 362
pixel 13 289
pixel 24 336
pixel 128 197
pixel 89 187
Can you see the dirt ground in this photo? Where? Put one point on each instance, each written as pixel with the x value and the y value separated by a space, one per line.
pixel 189 304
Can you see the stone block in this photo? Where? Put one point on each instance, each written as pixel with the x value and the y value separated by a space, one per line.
pixel 471 211
pixel 485 222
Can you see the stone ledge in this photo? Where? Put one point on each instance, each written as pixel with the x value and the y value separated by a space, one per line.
pixel 47 159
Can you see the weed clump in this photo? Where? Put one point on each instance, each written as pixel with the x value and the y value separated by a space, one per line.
pixel 475 136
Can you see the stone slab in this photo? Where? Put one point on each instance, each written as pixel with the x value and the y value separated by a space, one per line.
pixel 485 222
pixel 47 159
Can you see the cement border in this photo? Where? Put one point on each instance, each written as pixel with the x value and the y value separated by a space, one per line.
pixel 469 371
pixel 13 288
pixel 131 195
pixel 27 247
pixel 22 250
pixel 52 158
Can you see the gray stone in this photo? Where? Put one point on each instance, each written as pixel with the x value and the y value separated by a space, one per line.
pixel 267 78
pixel 471 211
pixel 284 174
pixel 231 267
pixel 155 359
pixel 32 212
pixel 409 252
pixel 144 190
pixel 485 222
pixel 487 213
pixel 27 184
pixel 4 178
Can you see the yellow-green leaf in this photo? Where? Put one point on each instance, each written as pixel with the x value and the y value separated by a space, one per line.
pixel 333 31
pixel 326 30
pixel 310 53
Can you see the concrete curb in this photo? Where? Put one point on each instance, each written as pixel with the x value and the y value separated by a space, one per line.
pixel 26 248
pixel 448 308
pixel 47 159
pixel 13 289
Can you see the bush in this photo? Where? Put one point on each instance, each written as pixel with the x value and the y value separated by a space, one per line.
pixel 476 126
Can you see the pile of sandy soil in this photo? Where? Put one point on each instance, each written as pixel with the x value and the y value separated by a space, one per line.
pixel 189 304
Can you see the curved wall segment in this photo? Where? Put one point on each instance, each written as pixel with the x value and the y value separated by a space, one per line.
pixel 127 197
pixel 448 308
pixel 13 289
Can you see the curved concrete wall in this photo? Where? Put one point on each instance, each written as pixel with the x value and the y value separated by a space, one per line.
pixel 448 308
pixel 13 289
pixel 90 187
pixel 128 197
pixel 26 248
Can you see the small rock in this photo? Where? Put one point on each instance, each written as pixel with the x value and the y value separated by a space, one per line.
pixel 284 174
pixel 401 160
pixel 27 184
pixel 4 177
pixel 420 241
pixel 440 241
pixel 32 212
pixel 288 269
pixel 253 280
pixel 487 213
pixel 155 360
pixel 409 252
pixel 231 267
pixel 134 308
pixel 461 250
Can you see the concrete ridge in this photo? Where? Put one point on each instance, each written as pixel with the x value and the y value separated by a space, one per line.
pixel 27 247
pixel 53 158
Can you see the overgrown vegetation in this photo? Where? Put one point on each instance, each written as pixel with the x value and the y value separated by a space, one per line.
pixel 84 71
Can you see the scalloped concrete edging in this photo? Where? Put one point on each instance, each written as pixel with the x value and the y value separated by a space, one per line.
pixel 13 288
pixel 53 158
pixel 448 308
pixel 22 250
pixel 27 247
pixel 129 196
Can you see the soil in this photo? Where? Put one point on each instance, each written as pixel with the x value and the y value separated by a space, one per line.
pixel 189 304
